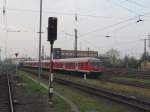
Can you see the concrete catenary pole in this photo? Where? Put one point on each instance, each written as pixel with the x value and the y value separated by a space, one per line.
pixel 145 54
pixel 0 56
pixel 76 38
pixel 40 35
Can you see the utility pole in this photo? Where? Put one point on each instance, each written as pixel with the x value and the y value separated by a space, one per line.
pixel 76 39
pixel 40 35
pixel 6 34
pixel 0 62
pixel 145 54
pixel 75 49
pixel 148 40
pixel 145 44
pixel 43 52
pixel 0 56
pixel 88 52
pixel 5 23
pixel 145 50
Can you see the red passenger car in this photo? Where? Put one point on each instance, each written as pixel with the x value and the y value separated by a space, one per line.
pixel 90 66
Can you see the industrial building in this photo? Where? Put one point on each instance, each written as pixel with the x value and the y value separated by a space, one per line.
pixel 60 53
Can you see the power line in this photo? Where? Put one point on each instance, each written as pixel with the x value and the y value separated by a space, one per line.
pixel 114 25
pixel 136 3
pixel 64 13
pixel 124 42
pixel 122 27
pixel 109 26
pixel 129 10
pixel 127 42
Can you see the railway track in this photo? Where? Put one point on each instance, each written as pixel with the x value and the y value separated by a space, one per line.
pixel 133 102
pixel 127 83
pixel 6 104
pixel 133 84
pixel 127 100
pixel 128 73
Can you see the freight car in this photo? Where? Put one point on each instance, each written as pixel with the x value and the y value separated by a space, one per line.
pixel 93 67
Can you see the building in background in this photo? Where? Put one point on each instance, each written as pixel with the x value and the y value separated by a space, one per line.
pixel 57 53
pixel 61 54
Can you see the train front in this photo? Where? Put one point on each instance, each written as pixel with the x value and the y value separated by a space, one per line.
pixel 96 67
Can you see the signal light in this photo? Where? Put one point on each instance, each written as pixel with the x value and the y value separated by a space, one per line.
pixel 52 29
pixel 16 54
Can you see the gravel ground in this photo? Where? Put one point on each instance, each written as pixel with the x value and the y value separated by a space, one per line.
pixel 27 101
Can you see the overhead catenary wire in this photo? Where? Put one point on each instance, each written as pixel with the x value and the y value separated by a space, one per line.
pixel 133 42
pixel 120 43
pixel 108 27
pixel 138 4
pixel 127 42
pixel 122 27
pixel 127 9
pixel 114 25
pixel 64 13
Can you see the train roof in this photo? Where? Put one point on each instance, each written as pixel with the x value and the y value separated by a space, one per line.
pixel 68 60
pixel 77 59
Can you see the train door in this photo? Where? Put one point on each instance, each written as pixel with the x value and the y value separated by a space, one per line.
pixel 76 66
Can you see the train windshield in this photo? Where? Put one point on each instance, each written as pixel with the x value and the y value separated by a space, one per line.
pixel 96 63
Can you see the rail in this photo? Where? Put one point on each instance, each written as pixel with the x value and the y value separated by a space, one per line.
pixel 128 100
pixel 128 73
pixel 10 94
pixel 139 104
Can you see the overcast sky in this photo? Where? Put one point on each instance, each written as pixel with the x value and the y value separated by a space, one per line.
pixel 96 19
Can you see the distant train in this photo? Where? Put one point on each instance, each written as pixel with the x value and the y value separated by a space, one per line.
pixel 90 66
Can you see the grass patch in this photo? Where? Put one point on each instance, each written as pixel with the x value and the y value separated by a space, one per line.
pixel 86 103
pixel 143 81
pixel 35 87
pixel 59 104
pixel 124 89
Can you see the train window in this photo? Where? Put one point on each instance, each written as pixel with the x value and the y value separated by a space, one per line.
pixel 47 64
pixel 86 64
pixel 82 64
pixel 95 63
pixel 78 64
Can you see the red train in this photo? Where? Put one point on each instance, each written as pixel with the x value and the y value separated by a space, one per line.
pixel 90 66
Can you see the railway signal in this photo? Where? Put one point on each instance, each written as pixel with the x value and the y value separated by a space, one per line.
pixel 16 54
pixel 52 36
pixel 52 29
